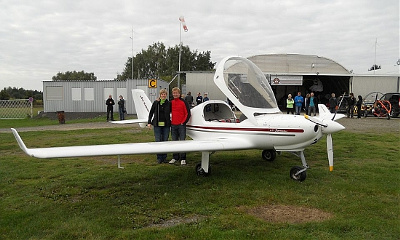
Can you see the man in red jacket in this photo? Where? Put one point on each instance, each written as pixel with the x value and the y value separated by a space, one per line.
pixel 180 115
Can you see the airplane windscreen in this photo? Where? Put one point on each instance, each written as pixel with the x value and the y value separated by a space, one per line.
pixel 249 85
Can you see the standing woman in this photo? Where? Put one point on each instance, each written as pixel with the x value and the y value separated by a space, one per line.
pixel 159 117
pixel 289 104
pixel 121 108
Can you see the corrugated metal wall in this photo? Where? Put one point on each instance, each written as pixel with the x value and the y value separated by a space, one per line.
pixel 60 96
pixel 203 82
pixel 362 85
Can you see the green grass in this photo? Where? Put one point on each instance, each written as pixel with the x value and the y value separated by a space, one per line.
pixel 91 198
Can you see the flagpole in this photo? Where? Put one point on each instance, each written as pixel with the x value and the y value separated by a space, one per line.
pixel 132 54
pixel 180 49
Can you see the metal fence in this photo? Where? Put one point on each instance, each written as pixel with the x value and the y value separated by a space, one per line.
pixel 16 109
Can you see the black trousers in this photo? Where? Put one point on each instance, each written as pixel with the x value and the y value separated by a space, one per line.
pixel 110 110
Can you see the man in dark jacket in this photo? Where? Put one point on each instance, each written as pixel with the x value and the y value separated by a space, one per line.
pixel 110 105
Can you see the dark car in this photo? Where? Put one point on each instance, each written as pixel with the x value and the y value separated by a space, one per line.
pixel 394 99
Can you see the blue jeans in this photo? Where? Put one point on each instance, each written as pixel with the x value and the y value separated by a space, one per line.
pixel 121 114
pixel 298 109
pixel 161 134
pixel 178 133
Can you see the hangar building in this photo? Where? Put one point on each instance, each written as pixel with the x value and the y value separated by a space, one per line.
pixel 290 73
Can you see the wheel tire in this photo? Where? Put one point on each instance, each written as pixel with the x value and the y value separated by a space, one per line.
pixel 268 155
pixel 200 171
pixel 298 177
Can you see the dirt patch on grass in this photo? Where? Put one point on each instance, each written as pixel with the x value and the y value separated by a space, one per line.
pixel 176 221
pixel 288 214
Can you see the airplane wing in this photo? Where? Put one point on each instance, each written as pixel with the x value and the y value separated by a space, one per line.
pixel 134 148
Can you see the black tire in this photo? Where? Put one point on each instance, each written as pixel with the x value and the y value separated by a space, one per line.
pixel 268 155
pixel 298 177
pixel 200 171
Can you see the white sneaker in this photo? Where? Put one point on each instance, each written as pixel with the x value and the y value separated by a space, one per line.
pixel 172 161
pixel 183 162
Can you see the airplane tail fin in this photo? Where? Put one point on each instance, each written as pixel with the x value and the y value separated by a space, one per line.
pixel 142 105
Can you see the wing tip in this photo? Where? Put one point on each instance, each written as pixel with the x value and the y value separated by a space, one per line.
pixel 19 141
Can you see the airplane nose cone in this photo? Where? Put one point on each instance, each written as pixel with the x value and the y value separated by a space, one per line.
pixel 332 127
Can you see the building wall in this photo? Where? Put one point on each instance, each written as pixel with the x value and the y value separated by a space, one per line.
pixel 203 82
pixel 364 84
pixel 90 96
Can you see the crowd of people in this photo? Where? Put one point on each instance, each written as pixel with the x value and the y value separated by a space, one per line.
pixel 309 103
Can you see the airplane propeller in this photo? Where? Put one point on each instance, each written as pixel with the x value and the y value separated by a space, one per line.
pixel 329 126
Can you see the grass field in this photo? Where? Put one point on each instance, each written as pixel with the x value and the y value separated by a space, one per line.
pixel 75 198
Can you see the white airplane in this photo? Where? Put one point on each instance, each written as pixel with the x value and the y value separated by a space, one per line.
pixel 214 127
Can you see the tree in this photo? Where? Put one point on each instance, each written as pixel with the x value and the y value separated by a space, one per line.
pixel 20 93
pixel 159 62
pixel 77 76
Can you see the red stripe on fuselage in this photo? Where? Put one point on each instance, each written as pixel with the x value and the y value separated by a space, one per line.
pixel 249 129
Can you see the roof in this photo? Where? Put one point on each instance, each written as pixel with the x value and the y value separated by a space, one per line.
pixel 298 64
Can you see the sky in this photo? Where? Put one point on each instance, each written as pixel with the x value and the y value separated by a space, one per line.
pixel 40 38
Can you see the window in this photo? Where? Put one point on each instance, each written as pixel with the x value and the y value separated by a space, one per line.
pixel 76 94
pixel 54 93
pixel 89 94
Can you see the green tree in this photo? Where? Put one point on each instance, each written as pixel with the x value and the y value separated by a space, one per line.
pixel 74 75
pixel 20 93
pixel 159 62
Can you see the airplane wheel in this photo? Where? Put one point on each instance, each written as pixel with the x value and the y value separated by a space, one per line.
pixel 269 155
pixel 298 177
pixel 200 171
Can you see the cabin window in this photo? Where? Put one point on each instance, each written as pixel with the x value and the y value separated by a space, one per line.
pixel 216 112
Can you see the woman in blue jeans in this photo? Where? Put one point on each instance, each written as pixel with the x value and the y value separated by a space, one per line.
pixel 159 117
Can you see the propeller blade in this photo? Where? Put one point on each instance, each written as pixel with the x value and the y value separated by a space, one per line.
pixel 329 148
pixel 315 120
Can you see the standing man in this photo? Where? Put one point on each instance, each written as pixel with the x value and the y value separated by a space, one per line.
pixel 351 102
pixel 180 115
pixel 189 99
pixel 110 105
pixel 199 99
pixel 298 101
pixel 332 103
pixel 312 102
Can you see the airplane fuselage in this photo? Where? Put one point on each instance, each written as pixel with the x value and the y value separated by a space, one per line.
pixel 271 131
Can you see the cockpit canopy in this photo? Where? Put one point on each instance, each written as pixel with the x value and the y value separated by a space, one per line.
pixel 245 85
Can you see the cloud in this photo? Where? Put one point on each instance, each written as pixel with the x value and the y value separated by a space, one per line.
pixel 41 38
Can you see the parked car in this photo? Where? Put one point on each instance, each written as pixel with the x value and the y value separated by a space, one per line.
pixel 394 99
